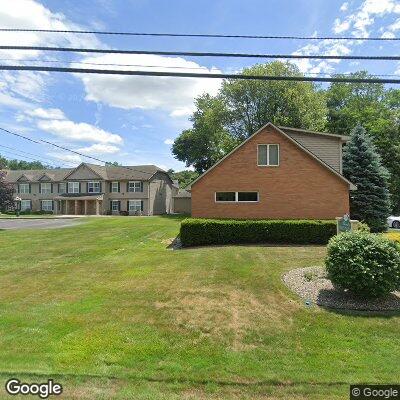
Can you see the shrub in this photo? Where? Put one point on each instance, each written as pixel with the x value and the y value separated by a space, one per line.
pixel 196 232
pixel 367 265
pixel 124 213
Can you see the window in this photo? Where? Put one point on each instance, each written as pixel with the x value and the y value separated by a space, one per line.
pixel 268 155
pixel 135 186
pixel 114 187
pixel 236 197
pixel 114 205
pixel 62 187
pixel 45 188
pixel 47 205
pixel 135 205
pixel 25 205
pixel 225 196
pixel 93 187
pixel 73 187
pixel 23 188
pixel 247 196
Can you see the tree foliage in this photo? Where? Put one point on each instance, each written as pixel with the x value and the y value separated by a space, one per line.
pixel 251 104
pixel 242 107
pixel 378 110
pixel 6 193
pixel 362 165
pixel 208 140
pixel 21 164
pixel 183 177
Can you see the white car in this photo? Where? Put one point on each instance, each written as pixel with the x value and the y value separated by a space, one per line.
pixel 394 222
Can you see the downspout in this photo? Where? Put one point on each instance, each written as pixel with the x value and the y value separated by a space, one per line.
pixel 148 198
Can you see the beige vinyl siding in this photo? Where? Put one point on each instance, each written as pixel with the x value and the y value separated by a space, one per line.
pixel 160 194
pixel 328 149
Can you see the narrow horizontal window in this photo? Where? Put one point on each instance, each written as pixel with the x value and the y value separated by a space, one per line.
pixel 225 196
pixel 247 196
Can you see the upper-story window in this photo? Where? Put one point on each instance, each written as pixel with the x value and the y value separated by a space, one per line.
pixel 93 187
pixel 62 187
pixel 268 155
pixel 45 188
pixel 135 186
pixel 73 187
pixel 114 187
pixel 23 188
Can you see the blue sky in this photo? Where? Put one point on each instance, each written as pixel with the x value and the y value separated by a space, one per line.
pixel 133 120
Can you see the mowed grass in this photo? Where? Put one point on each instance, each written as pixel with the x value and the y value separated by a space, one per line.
pixel 108 311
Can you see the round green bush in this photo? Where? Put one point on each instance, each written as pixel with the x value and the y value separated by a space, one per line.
pixel 367 265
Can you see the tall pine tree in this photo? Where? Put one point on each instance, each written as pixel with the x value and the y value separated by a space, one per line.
pixel 362 166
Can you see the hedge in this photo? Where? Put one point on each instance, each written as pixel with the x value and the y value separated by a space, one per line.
pixel 199 231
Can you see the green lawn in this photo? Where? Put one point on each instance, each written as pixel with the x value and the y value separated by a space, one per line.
pixel 110 312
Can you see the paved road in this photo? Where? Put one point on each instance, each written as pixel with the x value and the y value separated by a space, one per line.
pixel 36 223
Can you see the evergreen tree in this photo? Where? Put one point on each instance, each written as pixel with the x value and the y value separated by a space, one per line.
pixel 362 166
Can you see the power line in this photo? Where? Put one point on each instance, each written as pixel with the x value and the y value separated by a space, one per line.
pixel 200 54
pixel 41 141
pixel 159 66
pixel 198 75
pixel 40 158
pixel 21 156
pixel 199 35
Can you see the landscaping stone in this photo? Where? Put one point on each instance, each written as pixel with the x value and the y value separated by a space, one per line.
pixel 312 284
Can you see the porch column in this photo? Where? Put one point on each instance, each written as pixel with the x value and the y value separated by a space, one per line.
pixel 55 210
pixel 97 207
pixel 76 207
pixel 85 207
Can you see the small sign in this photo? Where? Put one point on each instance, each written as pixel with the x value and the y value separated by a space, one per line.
pixel 344 224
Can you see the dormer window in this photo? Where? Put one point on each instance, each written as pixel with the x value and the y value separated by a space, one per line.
pixel 268 155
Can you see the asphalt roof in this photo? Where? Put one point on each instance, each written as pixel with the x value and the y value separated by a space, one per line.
pixel 138 172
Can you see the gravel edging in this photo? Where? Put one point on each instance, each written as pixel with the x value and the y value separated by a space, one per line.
pixel 319 289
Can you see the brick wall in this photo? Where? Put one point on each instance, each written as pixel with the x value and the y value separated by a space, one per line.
pixel 299 188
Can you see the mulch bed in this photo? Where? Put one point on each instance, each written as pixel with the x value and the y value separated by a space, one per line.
pixel 313 286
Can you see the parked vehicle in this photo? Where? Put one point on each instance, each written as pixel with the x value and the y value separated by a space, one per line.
pixel 394 222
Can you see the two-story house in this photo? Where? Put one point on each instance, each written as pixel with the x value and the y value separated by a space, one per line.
pixel 91 189
pixel 277 173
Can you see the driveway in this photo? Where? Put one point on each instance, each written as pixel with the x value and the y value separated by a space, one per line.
pixel 36 223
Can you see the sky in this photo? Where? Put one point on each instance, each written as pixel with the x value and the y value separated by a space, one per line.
pixel 134 120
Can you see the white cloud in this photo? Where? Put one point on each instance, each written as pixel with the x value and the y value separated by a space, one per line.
pixel 46 113
pixel 99 148
pixel 361 20
pixel 172 94
pixel 344 7
pixel 78 131
pixel 70 158
pixel 340 26
pixel 169 141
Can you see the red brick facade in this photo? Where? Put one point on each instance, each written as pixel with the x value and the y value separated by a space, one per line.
pixel 300 187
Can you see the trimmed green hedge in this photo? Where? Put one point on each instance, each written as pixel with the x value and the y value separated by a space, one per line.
pixel 199 231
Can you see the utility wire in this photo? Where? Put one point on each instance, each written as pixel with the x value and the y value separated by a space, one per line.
pixel 198 35
pixel 40 158
pixel 199 75
pixel 159 66
pixel 23 156
pixel 41 141
pixel 199 54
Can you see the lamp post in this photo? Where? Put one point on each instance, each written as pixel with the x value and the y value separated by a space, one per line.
pixel 18 204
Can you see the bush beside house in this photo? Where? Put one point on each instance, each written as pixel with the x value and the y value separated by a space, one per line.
pixel 196 232
pixel 367 265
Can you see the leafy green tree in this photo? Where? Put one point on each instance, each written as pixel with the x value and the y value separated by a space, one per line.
pixel 242 107
pixel 208 140
pixel 362 165
pixel 21 164
pixel 378 110
pixel 184 177
pixel 6 193
pixel 251 103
